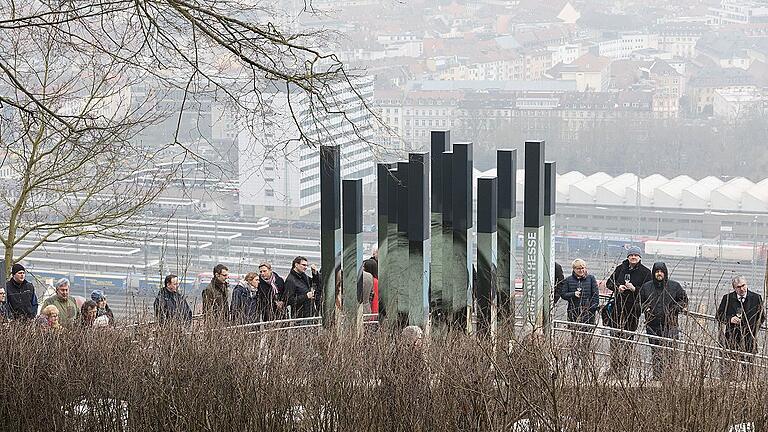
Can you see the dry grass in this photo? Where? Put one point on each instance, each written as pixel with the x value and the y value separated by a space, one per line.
pixel 310 380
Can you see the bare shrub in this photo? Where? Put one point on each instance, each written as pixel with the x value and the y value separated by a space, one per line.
pixel 314 380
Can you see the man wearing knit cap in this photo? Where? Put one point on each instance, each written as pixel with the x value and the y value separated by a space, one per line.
pixel 21 294
pixel 625 282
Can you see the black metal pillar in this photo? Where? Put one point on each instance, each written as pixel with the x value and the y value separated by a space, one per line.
pixel 352 288
pixel 487 202
pixel 330 228
pixel 533 220
pixel 440 142
pixel 506 169
pixel 462 234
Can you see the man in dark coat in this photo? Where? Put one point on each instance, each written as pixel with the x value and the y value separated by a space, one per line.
pixel 170 306
pixel 21 294
pixel 216 297
pixel 741 312
pixel 300 289
pixel 625 282
pixel 271 293
pixel 661 299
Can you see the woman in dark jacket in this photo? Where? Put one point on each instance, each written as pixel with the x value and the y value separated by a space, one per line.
pixel 246 305
pixel 583 296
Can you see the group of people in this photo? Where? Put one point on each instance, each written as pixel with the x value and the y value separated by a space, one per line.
pixel 18 303
pixel 638 290
pixel 261 296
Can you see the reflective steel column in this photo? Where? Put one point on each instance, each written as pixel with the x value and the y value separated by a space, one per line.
pixel 533 221
pixel 486 255
pixel 382 179
pixel 330 228
pixel 506 171
pixel 440 142
pixel 418 239
pixel 462 234
pixel 445 310
pixel 548 245
pixel 352 288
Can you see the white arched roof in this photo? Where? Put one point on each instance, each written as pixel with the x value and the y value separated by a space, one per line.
pixel 696 196
pixel 669 195
pixel 614 191
pixel 728 196
pixel 519 180
pixel 648 186
pixel 681 192
pixel 564 183
pixel 756 197
pixel 584 190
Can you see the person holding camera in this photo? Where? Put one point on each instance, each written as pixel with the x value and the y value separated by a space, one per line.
pixel 741 312
pixel 300 288
pixel 624 309
pixel 581 293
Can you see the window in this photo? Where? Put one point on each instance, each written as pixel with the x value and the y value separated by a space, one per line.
pixel 269 192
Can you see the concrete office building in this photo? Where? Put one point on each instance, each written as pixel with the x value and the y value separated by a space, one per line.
pixel 279 170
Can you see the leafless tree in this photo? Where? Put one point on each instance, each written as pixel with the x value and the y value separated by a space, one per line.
pixel 80 81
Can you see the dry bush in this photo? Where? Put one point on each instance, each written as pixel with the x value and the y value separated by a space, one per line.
pixel 313 380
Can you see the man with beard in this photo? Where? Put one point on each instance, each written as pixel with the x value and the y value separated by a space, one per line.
pixel 625 282
pixel 661 300
pixel 741 312
pixel 216 297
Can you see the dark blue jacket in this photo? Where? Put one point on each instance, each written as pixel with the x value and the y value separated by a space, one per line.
pixel 172 307
pixel 581 309
pixel 246 306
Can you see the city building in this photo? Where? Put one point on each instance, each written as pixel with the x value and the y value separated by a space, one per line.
pixel 279 169
pixel 622 46
pixel 736 104
pixel 591 73
pixel 738 12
